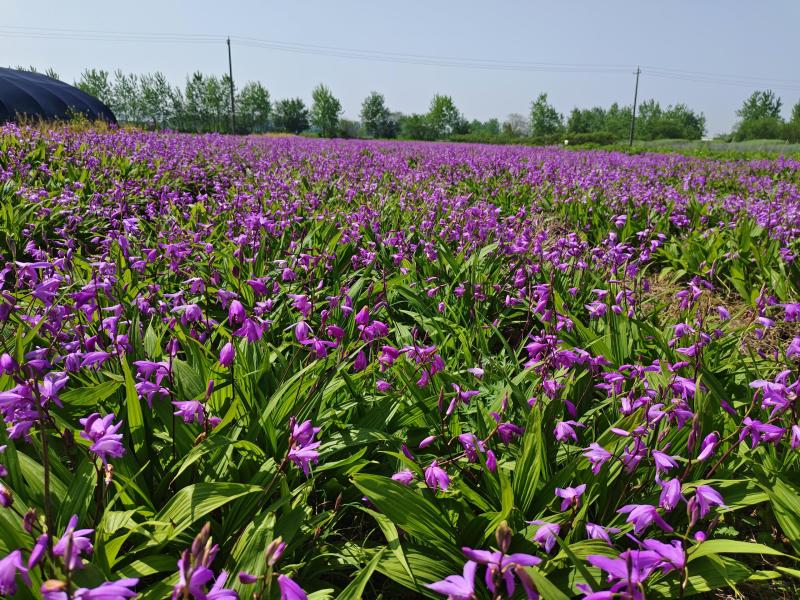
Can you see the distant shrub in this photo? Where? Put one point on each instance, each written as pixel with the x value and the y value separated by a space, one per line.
pixel 599 138
pixel 767 128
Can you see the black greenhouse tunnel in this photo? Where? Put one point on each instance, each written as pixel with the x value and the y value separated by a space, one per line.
pixel 32 95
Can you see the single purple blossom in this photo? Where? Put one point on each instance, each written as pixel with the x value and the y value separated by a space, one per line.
pixel 457 587
pixel 290 590
pixel 436 477
pixel 570 497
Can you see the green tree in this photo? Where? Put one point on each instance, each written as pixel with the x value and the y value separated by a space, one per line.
pixel 215 100
pixel 516 125
pixel 126 97
pixel 95 82
pixel 155 98
pixel 325 111
pixel 485 128
pixel 417 127
pixel 618 121
pixel 253 107
pixel 763 104
pixel 545 119
pixel 444 118
pixel 795 116
pixel 291 115
pixel 194 107
pixel 587 120
pixel 793 126
pixel 349 129
pixel 760 116
pixel 377 119
pixel 177 110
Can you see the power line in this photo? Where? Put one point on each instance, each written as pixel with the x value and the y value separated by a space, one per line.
pixel 394 57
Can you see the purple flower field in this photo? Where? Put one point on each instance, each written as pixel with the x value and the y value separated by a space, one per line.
pixel 254 367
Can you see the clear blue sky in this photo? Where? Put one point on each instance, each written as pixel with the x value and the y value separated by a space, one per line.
pixel 741 38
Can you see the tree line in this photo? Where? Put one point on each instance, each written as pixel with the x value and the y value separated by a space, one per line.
pixel 202 104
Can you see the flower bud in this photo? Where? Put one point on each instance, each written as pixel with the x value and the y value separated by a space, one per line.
pixel 274 551
pixel 28 520
pixel 503 536
pixel 6 499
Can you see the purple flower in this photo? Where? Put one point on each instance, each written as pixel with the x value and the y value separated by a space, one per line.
pixel 457 587
pixel 629 571
pixel 508 431
pixel 319 347
pixel 663 461
pixel 427 442
pixel 91 359
pixel 642 516
pixel 565 431
pixel 302 447
pixel 597 455
pixel 670 494
pixel 464 395
pixel 360 363
pixel 706 497
pixel 110 590
pixel 227 354
pixel 219 592
pixel 290 590
pixel 596 309
pixel 77 542
pixel 302 331
pixel 9 567
pixel 598 532
pixel 362 316
pixel 247 578
pixel 570 497
pixel 252 329
pixel 406 476
pixel 546 534
pixel 236 313
pixel 795 436
pixel 6 499
pixel 792 311
pixel 491 461
pixel 190 411
pixel 759 432
pixel 436 477
pixel 504 565
pixel 301 303
pixel 106 440
pixel 793 349
pixel 708 446
pixel 38 550
pixel 476 371
pixel 673 558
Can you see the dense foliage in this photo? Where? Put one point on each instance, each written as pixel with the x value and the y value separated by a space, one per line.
pixel 271 367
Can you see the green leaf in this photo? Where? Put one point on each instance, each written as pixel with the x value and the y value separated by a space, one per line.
pixel 89 396
pixel 785 500
pixel 192 503
pixel 392 539
pixel 79 494
pixel 722 546
pixel 356 587
pixel 546 588
pixel 135 418
pixel 411 512
pixel 706 574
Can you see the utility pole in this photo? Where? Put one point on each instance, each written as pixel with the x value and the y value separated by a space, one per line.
pixel 233 105
pixel 635 97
